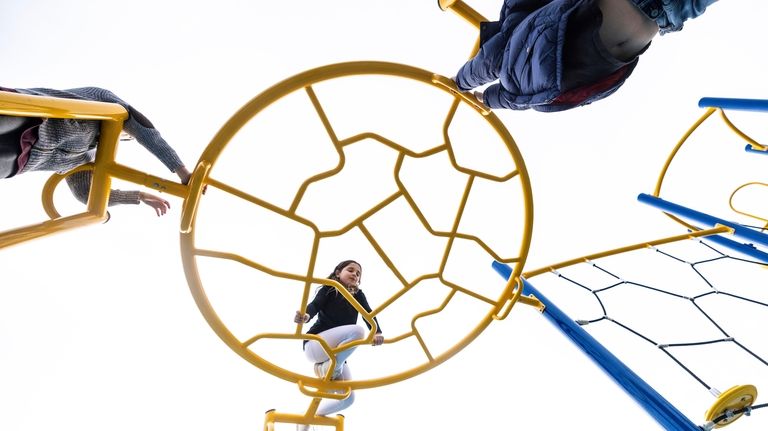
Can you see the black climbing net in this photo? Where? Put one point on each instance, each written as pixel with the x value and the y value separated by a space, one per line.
pixel 687 306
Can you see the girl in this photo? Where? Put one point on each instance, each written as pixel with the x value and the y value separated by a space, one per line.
pixel 336 324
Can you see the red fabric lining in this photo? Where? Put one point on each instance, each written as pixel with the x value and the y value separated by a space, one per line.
pixel 28 140
pixel 580 94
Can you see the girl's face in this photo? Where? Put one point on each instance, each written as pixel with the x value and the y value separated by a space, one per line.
pixel 349 276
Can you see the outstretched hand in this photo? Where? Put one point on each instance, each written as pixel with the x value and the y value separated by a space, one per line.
pixel 479 96
pixel 301 317
pixel 378 340
pixel 185 176
pixel 160 205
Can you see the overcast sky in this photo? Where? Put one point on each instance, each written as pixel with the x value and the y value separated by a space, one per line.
pixel 98 329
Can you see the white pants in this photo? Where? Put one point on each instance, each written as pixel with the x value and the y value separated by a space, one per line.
pixel 315 353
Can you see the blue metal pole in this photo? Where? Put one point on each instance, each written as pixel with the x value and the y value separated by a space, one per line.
pixel 746 249
pixel 703 218
pixel 750 149
pixel 738 104
pixel 657 406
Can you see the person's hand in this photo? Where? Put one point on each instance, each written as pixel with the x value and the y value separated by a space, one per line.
pixel 184 174
pixel 378 340
pixel 301 317
pixel 478 96
pixel 160 205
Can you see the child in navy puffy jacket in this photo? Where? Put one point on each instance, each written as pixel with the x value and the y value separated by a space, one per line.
pixel 553 55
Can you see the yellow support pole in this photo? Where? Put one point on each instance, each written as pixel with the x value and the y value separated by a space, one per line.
pixel 468 14
pixel 700 233
pixel 463 10
pixel 272 417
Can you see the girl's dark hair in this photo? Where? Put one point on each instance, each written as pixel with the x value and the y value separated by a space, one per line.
pixel 343 264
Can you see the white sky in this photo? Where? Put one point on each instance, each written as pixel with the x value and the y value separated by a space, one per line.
pixel 98 329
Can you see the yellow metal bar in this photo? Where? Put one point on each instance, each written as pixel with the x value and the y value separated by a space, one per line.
pixel 101 181
pixel 332 135
pixel 532 301
pixel 689 132
pixel 272 417
pixel 196 184
pixel 463 10
pixel 677 147
pixel 418 316
pixel 149 181
pixel 306 293
pixel 468 97
pixel 733 207
pixel 741 134
pixel 26 233
pixel 696 234
pixel 304 389
pixel 517 295
pixel 468 14
pixel 117 171
pixel 303 83
pixel 23 105
pixel 50 187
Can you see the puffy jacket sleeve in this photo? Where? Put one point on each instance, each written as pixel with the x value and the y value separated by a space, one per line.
pixel 496 97
pixel 679 11
pixel 690 9
pixel 484 66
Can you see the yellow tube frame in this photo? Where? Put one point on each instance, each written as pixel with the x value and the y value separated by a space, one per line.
pixel 105 168
pixel 467 13
pixel 708 113
pixel 754 216
pixel 324 387
pixel 585 259
pixel 303 82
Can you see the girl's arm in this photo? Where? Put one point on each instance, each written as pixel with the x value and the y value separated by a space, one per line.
pixel 364 303
pixel 80 185
pixel 317 304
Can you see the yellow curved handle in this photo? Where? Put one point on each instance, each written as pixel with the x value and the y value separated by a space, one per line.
pixel 463 10
pixel 448 84
pixel 507 307
pixel 50 187
pixel 730 201
pixel 193 198
pixel 318 393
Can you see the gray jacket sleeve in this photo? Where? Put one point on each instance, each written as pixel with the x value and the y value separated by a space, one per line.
pixel 138 126
pixel 80 185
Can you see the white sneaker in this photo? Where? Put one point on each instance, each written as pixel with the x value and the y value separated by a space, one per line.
pixel 321 368
pixel 303 427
